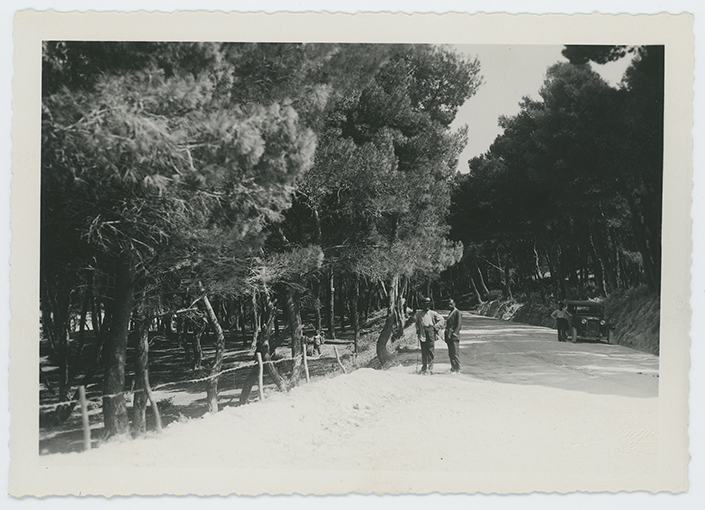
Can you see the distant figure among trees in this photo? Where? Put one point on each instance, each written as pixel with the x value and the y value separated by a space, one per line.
pixel 313 344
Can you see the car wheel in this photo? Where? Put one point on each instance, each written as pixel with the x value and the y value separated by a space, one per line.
pixel 574 338
pixel 610 337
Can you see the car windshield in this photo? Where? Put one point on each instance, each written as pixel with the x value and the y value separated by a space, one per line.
pixel 588 310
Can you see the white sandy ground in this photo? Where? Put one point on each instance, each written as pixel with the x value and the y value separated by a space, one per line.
pixel 396 420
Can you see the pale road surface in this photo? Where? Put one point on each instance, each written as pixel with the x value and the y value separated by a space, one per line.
pixel 527 413
pixel 510 352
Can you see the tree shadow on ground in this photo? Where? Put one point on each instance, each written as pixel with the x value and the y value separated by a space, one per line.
pixel 179 390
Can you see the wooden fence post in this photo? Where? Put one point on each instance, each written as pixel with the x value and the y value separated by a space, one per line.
pixel 260 376
pixel 337 357
pixel 308 379
pixel 84 416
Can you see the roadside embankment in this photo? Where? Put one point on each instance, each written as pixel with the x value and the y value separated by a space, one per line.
pixel 634 312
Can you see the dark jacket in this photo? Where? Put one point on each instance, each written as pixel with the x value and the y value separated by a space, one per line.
pixel 453 324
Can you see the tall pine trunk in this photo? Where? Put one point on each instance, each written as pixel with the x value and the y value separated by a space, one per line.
pixel 392 324
pixel 242 321
pixel 65 411
pixel 330 308
pixel 139 405
pixel 342 302
pixel 114 407
pixel 354 311
pixel 317 281
pixel 62 336
pixel 503 263
pixel 600 269
pixel 293 315
pixel 652 268
pixel 47 320
pixel 96 315
pixel 82 325
pixel 539 276
pixel 554 267
pixel 367 300
pixel 55 309
pixel 256 320
pixel 318 320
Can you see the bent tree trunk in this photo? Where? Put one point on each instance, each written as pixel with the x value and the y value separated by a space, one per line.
pixel 264 348
pixel 114 407
pixel 393 325
pixel 212 383
pixel 474 288
pixel 383 354
pixel 144 390
pixel 483 287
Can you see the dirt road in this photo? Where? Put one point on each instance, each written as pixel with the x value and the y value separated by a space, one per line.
pixel 509 352
pixel 526 413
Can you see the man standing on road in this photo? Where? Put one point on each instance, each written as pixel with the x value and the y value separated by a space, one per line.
pixel 453 325
pixel 562 318
pixel 428 323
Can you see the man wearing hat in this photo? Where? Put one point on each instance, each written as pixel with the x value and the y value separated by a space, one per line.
pixel 428 323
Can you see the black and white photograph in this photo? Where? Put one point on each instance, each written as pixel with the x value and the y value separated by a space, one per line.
pixel 400 266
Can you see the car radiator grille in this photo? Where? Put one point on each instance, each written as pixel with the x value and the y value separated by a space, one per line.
pixel 593 328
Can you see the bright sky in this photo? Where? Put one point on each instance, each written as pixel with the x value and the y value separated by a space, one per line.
pixel 510 73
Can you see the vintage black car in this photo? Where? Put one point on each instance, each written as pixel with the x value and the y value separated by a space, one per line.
pixel 588 321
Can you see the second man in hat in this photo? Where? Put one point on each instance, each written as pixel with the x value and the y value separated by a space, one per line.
pixel 428 324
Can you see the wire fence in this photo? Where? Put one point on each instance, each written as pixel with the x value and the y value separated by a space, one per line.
pixel 241 366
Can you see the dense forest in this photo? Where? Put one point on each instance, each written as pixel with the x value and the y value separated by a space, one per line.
pixel 189 185
pixel 567 201
pixel 232 186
